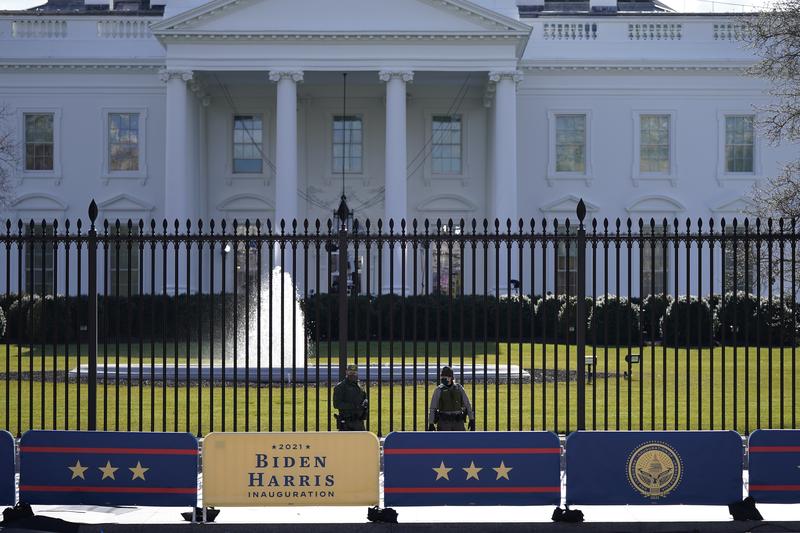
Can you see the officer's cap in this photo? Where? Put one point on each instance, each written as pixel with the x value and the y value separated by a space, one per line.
pixel 447 371
pixel 352 368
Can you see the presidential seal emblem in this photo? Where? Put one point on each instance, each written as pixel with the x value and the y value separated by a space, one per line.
pixel 654 469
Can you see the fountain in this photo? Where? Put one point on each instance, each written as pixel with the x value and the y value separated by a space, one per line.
pixel 282 328
pixel 287 352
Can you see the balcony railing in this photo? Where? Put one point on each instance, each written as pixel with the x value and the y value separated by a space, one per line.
pixel 644 28
pixel 77 28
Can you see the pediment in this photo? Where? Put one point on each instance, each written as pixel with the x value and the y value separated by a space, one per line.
pixel 656 204
pixel 737 205
pixel 251 203
pixel 341 16
pixel 124 202
pixel 38 202
pixel 446 203
pixel 568 204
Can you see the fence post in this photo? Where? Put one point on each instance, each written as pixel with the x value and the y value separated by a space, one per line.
pixel 343 212
pixel 580 327
pixel 92 339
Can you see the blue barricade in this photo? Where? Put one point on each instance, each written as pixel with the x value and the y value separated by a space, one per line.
pixel 108 468
pixel 775 465
pixel 654 467
pixel 471 468
pixel 7 458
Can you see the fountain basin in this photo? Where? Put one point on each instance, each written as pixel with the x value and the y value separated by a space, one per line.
pixel 310 375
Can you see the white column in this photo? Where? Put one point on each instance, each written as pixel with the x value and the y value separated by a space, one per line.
pixel 505 188
pixel 286 206
pixel 505 145
pixel 396 194
pixel 178 183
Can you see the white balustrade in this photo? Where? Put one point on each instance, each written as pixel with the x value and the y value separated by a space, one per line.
pixel 730 31
pixel 39 28
pixel 570 31
pixel 123 29
pixel 655 32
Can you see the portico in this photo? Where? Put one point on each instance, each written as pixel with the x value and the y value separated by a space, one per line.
pixel 208 49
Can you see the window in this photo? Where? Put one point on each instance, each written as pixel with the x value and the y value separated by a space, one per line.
pixel 124 262
pixel 348 144
pixel 739 143
pixel 446 264
pixel 566 264
pixel 571 143
pixel 446 139
pixel 39 260
pixel 740 262
pixel 654 263
pixel 39 141
pixel 123 142
pixel 248 132
pixel 654 145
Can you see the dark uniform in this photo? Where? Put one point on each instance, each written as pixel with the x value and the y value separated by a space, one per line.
pixel 450 406
pixel 351 401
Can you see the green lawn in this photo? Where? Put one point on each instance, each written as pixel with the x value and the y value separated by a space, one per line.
pixel 746 389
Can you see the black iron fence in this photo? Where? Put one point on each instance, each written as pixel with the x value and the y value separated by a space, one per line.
pixel 551 324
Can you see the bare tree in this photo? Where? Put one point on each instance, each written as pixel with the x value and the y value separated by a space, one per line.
pixel 8 158
pixel 775 36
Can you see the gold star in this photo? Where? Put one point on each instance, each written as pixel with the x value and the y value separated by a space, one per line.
pixel 472 471
pixel 502 470
pixel 138 471
pixel 78 470
pixel 442 472
pixel 108 470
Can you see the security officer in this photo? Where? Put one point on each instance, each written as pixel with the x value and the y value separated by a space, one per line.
pixel 450 406
pixel 351 401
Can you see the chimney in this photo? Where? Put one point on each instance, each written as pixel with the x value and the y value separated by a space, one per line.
pixel 603 6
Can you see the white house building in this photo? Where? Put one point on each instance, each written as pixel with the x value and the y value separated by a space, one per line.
pixel 189 109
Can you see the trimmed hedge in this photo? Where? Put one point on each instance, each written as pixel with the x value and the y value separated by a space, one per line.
pixel 688 321
pixel 555 317
pixel 431 317
pixel 614 321
pixel 390 317
pixel 547 317
pixel 568 318
pixel 744 320
pixel 63 319
pixel 652 310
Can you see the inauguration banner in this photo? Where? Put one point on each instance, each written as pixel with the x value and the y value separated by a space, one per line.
pixel 7 457
pixel 108 468
pixel 471 468
pixel 654 467
pixel 775 465
pixel 280 469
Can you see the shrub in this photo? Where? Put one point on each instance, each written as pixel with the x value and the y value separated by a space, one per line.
pixel 614 321
pixel 776 325
pixel 19 316
pixel 653 305
pixel 744 320
pixel 50 319
pixel 688 321
pixel 736 315
pixel 568 317
pixel 546 313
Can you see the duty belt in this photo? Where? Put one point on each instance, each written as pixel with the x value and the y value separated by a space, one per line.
pixel 452 415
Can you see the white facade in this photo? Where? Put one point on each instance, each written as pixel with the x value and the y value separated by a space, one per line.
pixel 509 81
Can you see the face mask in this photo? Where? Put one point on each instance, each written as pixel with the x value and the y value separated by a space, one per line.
pixel 352 377
pixel 446 382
